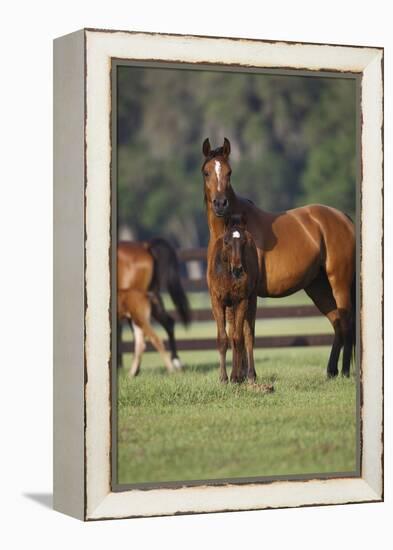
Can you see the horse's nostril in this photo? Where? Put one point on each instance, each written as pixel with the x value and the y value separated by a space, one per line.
pixel 220 203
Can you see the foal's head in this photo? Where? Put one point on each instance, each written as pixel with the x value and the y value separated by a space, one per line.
pixel 216 172
pixel 235 238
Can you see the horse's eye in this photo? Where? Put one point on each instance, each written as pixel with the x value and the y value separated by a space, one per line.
pixel 229 173
pixel 205 174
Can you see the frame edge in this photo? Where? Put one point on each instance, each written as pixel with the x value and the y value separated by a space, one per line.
pixel 68 274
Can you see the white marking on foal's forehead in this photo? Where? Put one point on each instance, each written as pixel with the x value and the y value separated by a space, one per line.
pixel 236 235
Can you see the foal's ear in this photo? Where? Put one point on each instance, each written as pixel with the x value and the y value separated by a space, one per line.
pixel 226 148
pixel 236 220
pixel 206 147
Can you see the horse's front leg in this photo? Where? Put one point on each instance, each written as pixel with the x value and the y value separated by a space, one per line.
pixel 222 338
pixel 238 341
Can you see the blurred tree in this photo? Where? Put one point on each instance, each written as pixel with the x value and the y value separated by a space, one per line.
pixel 330 133
pixel 293 141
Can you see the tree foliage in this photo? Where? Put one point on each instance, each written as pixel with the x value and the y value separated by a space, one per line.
pixel 293 142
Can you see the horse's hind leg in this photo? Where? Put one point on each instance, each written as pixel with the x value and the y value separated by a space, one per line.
pixel 321 294
pixel 348 347
pixel 342 296
pixel 162 316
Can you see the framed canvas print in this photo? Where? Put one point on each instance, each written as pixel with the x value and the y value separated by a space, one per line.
pixel 218 341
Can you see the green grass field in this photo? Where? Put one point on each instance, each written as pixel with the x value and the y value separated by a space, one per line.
pixel 188 426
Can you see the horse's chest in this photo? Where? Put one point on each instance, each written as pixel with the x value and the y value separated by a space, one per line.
pixel 232 290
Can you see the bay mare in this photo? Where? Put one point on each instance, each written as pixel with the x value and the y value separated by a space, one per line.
pixel 311 248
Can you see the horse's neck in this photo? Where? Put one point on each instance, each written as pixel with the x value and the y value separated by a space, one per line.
pixel 216 225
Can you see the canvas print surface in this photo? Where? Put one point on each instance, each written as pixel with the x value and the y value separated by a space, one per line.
pixel 235 276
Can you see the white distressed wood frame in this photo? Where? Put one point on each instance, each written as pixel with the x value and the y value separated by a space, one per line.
pixel 82 473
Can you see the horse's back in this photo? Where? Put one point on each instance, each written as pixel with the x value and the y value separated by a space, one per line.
pixel 135 266
pixel 335 228
pixel 295 244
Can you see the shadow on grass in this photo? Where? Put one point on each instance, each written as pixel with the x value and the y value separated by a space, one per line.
pixel 204 367
pixel 200 368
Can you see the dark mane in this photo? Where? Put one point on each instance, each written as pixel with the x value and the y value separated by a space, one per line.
pixel 219 152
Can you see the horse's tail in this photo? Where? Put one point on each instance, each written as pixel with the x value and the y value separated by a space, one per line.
pixel 167 276
pixel 353 317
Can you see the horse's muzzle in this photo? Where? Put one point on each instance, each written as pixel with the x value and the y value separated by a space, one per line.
pixel 221 207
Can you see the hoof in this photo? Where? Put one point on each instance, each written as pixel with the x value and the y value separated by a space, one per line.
pixel 177 364
pixel 332 374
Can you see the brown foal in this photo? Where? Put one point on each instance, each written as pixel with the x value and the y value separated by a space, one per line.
pixel 232 278
pixel 136 305
pixel 310 248
pixel 144 270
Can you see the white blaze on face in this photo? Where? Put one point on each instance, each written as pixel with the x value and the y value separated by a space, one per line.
pixel 217 168
pixel 236 235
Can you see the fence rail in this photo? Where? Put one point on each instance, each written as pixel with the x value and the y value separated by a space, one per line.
pixel 206 344
pixel 267 312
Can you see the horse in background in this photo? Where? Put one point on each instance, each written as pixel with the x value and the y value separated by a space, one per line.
pixel 311 248
pixel 150 268
pixel 136 306
pixel 232 278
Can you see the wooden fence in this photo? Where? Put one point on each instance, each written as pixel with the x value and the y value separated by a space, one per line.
pixel 198 315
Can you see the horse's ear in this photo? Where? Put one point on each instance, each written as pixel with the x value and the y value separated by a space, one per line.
pixel 206 147
pixel 226 148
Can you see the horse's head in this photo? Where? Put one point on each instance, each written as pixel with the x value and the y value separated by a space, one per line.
pixel 234 240
pixel 216 172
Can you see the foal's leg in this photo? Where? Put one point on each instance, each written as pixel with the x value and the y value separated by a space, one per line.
pixel 222 338
pixel 162 316
pixel 139 306
pixel 238 341
pixel 230 317
pixel 158 344
pixel 139 348
pixel 119 342
pixel 249 335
